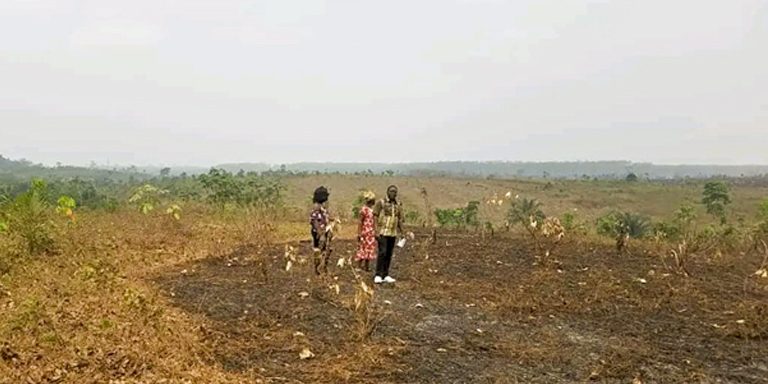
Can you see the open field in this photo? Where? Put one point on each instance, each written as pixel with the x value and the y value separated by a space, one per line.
pixel 589 198
pixel 134 298
pixel 468 310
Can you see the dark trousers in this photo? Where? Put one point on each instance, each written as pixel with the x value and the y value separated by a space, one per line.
pixel 386 247
pixel 315 238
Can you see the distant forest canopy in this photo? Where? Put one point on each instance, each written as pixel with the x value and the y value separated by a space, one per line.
pixel 562 170
pixel 496 169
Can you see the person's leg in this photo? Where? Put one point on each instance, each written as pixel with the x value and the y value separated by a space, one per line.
pixel 389 248
pixel 326 250
pixel 316 251
pixel 382 255
pixel 326 258
pixel 315 239
pixel 358 256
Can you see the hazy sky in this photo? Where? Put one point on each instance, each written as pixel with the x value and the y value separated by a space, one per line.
pixel 201 82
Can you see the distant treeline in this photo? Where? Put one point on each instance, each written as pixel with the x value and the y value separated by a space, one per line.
pixel 561 170
pixel 610 170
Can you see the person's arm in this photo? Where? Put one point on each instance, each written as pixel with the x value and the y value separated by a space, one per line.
pixel 360 226
pixel 375 224
pixel 312 215
pixel 376 212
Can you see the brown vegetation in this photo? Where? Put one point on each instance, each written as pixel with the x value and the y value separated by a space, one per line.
pixel 129 298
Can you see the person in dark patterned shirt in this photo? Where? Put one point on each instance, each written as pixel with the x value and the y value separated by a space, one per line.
pixel 318 220
pixel 389 215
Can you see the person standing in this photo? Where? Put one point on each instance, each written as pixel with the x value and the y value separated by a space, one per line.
pixel 319 220
pixel 389 216
pixel 366 233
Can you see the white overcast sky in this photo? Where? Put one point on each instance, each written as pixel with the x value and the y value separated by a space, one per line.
pixel 200 82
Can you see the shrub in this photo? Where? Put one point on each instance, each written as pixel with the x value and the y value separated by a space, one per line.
pixel 681 227
pixel 174 211
pixel 65 206
pixel 444 216
pixel 248 189
pixel 412 217
pixel 147 197
pixel 607 225
pixel 111 204
pixel 84 193
pixel 686 214
pixel 623 223
pixel 665 230
pixel 470 213
pixel 459 217
pixel 28 216
pixel 3 220
pixel 526 212
pixel 715 198
pixel 568 221
pixel 763 217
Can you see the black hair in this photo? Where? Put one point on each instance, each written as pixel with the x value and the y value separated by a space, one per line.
pixel 391 187
pixel 321 195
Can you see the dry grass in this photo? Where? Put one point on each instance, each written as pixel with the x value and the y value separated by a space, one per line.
pixel 87 315
pixel 589 199
pixel 137 299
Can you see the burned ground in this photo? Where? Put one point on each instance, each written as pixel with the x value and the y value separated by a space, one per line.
pixel 470 309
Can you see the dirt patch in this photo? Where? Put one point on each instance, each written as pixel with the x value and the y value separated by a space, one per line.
pixel 473 310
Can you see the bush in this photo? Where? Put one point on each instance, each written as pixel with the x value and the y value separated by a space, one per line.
pixel 29 218
pixel 526 212
pixel 459 217
pixel 568 221
pixel 681 227
pixel 444 217
pixel 244 190
pixel 636 226
pixel 84 193
pixel 412 217
pixel 65 206
pixel 685 216
pixel 111 204
pixel 470 213
pixel 715 198
pixel 607 225
pixel 666 230
pixel 450 217
pixel 623 223
pixel 147 197
pixel 763 217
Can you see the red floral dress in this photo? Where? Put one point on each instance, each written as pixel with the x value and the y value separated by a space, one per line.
pixel 368 247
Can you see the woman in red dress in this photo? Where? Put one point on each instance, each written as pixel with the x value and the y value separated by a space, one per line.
pixel 366 233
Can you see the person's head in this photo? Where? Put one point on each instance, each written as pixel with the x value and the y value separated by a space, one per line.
pixel 392 192
pixel 369 198
pixel 320 196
